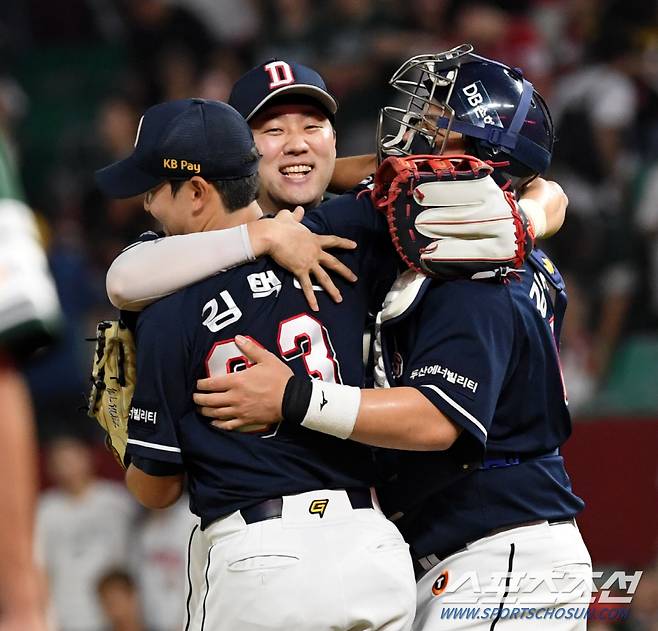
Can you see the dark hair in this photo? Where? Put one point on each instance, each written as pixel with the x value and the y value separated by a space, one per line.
pixel 235 194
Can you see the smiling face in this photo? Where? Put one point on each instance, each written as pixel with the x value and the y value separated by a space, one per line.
pixel 298 145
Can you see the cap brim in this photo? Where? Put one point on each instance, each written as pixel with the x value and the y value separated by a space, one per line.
pixel 322 97
pixel 125 179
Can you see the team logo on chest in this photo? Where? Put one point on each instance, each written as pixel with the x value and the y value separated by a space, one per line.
pixel 263 284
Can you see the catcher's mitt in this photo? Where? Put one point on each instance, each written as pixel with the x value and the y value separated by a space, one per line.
pixel 448 218
pixel 113 376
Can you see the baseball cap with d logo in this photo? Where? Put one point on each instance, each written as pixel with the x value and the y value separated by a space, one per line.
pixel 177 140
pixel 276 78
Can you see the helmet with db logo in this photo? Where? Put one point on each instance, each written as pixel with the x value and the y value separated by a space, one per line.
pixel 501 117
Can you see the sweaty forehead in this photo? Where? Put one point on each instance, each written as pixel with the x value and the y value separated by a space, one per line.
pixel 287 111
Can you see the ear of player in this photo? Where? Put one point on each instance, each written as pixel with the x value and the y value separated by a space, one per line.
pixel 449 219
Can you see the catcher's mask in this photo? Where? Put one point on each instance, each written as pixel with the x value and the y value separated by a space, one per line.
pixel 501 116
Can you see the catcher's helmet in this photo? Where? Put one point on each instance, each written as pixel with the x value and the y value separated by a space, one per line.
pixel 499 113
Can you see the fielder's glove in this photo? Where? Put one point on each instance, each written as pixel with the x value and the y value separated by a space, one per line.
pixel 449 219
pixel 113 376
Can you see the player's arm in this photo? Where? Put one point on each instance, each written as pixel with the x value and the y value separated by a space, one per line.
pixel 155 475
pixel 400 418
pixel 349 171
pixel 21 601
pixel 29 318
pixel 150 270
pixel 452 383
pixel 548 209
pixel 545 204
pixel 154 491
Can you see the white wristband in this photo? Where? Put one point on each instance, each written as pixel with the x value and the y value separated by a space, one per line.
pixel 333 409
pixel 536 214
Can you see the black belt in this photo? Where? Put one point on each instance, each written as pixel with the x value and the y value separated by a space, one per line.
pixel 497 460
pixel 426 563
pixel 273 508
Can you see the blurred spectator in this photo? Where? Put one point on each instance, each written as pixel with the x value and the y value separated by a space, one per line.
pixel 644 609
pixel 119 600
pixel 233 22
pixel 223 70
pixel 160 565
pixel 506 32
pixel 29 313
pixel 177 74
pixel 50 25
pixel 83 528
pixel 157 29
pixel 594 109
pixel 576 349
pixel 567 27
pixel 110 225
pixel 647 81
pixel 291 30
pixel 647 223
pixel 349 62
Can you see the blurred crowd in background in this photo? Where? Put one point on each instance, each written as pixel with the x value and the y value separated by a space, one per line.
pixel 75 76
pixel 79 73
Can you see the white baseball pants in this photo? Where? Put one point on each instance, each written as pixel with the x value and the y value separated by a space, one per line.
pixel 535 577
pixel 337 569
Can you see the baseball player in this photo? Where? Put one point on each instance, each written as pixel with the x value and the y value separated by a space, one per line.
pixel 291 114
pixel 29 317
pixel 306 135
pixel 277 507
pixel 471 376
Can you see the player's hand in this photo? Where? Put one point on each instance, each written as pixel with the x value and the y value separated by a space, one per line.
pixel 294 247
pixel 248 398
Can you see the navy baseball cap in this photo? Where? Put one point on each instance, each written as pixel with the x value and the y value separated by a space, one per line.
pixel 254 89
pixel 179 139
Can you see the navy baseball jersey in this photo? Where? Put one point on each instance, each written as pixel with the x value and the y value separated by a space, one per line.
pixel 190 335
pixel 485 354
